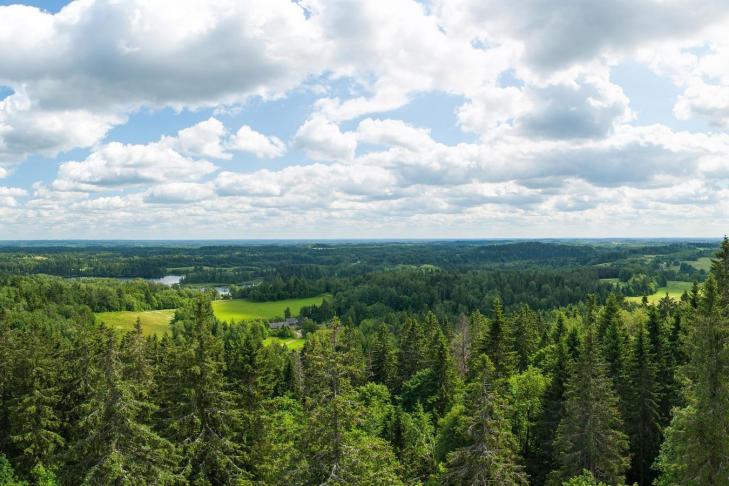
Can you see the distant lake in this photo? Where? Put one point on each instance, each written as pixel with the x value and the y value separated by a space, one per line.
pixel 168 280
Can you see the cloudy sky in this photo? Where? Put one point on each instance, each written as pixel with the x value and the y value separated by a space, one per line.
pixel 378 118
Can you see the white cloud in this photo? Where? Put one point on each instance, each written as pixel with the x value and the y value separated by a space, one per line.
pixel 702 100
pixel 248 140
pixel 393 133
pixel 3 173
pixel 203 140
pixel 116 165
pixel 81 71
pixel 322 139
pixel 179 192
pixel 9 195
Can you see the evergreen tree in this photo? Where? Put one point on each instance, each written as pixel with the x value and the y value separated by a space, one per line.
pixel 35 424
pixel 525 336
pixel 199 411
pixel 490 454
pixel 590 436
pixel 117 448
pixel 383 358
pixel 643 415
pixel 412 356
pixel 444 375
pixel 417 444
pixel 497 345
pixel 330 368
pixel 695 450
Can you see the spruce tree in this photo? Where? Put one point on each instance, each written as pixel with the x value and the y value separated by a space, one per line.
pixel 524 336
pixel 498 346
pixel 412 357
pixel 116 448
pixel 490 454
pixel 35 424
pixel 383 358
pixel 643 414
pixel 444 375
pixel 330 368
pixel 590 435
pixel 199 411
pixel 696 450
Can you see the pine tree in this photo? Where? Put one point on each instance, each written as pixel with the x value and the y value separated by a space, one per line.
pixel 383 358
pixel 199 411
pixel 117 448
pixel 35 422
pixel 525 337
pixel 490 455
pixel 417 451
pixel 643 415
pixel 330 368
pixel 497 345
pixel 720 272
pixel 444 375
pixel 590 434
pixel 695 450
pixel 412 357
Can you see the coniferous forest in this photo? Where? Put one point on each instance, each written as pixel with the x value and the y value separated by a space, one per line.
pixel 431 363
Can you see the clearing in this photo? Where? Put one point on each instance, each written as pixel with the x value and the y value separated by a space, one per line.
pixel 153 322
pixel 674 289
pixel 244 310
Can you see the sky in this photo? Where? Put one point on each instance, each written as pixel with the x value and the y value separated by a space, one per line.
pixel 240 119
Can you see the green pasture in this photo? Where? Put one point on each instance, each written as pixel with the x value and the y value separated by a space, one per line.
pixel 674 289
pixel 243 309
pixel 153 322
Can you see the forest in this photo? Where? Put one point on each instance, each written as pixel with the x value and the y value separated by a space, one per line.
pixel 428 363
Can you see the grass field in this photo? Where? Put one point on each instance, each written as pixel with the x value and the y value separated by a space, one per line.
pixel 153 322
pixel 156 322
pixel 703 263
pixel 293 343
pixel 243 309
pixel 674 289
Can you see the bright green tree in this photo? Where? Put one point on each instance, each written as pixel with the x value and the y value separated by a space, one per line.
pixel 489 457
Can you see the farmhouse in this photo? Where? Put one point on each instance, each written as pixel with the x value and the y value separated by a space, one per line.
pixel 289 322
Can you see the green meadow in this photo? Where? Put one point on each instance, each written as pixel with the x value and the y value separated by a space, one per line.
pixel 157 321
pixel 244 310
pixel 674 289
pixel 153 322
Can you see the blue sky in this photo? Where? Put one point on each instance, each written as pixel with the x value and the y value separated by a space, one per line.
pixel 393 119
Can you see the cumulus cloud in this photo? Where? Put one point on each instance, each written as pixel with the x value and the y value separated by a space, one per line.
pixel 248 140
pixel 556 140
pixel 81 71
pixel 322 139
pixel 556 35
pixel 393 133
pixel 178 193
pixel 9 195
pixel 171 159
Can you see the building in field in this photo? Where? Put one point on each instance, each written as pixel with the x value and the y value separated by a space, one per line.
pixel 290 322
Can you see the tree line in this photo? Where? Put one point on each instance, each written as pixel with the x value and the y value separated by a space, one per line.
pixel 587 393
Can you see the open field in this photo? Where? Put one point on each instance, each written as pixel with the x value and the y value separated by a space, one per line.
pixel 674 289
pixel 292 343
pixel 156 322
pixel 703 263
pixel 153 322
pixel 243 309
